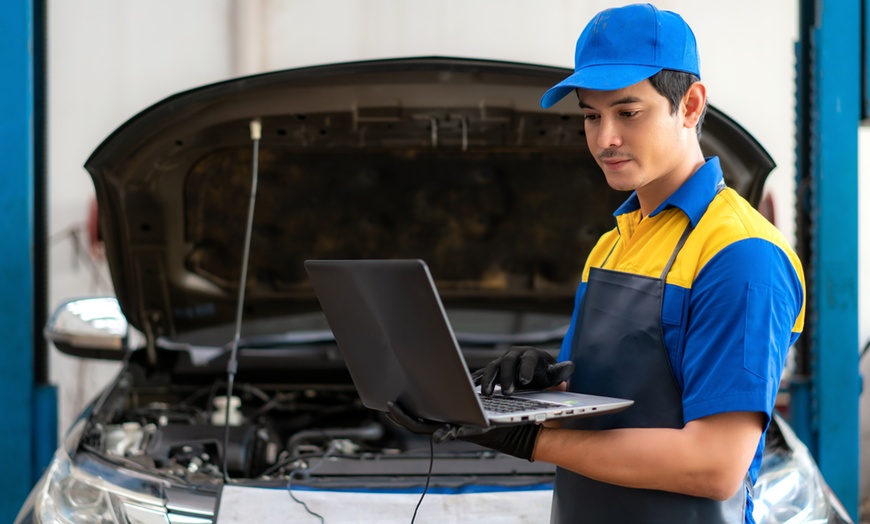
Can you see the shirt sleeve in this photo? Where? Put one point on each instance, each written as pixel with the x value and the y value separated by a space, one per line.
pixel 743 309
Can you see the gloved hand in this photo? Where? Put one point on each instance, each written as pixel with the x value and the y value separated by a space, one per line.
pixel 522 367
pixel 517 441
pixel 420 426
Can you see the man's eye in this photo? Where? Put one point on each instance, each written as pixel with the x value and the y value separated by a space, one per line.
pixel 629 114
pixel 590 118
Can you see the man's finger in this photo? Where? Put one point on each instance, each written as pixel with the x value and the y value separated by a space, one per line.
pixel 507 371
pixel 562 371
pixel 529 361
pixel 487 379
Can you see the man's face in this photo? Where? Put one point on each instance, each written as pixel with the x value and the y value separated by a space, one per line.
pixel 637 141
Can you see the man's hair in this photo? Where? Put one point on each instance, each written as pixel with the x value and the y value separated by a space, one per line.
pixel 673 85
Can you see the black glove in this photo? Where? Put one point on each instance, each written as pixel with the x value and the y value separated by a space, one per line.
pixel 421 426
pixel 517 441
pixel 522 367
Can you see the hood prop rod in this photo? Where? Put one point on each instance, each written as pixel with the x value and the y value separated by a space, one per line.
pixel 232 365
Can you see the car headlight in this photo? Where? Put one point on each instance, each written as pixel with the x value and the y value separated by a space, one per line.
pixel 71 494
pixel 790 491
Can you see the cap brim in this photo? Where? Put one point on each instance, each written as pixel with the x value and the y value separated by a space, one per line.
pixel 600 77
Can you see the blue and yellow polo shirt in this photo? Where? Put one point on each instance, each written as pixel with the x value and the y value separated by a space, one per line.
pixel 733 301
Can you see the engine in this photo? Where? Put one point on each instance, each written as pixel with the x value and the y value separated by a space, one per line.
pixel 268 432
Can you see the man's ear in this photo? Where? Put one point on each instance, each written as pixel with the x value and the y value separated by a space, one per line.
pixel 693 104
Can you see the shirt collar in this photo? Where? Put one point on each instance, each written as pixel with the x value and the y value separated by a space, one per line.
pixel 693 197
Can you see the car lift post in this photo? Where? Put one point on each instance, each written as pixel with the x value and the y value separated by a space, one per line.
pixel 28 434
pixel 826 391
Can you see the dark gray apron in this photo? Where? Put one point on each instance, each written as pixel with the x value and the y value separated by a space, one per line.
pixel 619 351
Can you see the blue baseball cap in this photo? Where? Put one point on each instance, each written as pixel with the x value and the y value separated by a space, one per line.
pixel 625 45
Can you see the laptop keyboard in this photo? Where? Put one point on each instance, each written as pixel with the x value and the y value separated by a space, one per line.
pixel 512 404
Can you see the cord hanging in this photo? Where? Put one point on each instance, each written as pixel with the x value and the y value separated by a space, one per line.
pixel 428 476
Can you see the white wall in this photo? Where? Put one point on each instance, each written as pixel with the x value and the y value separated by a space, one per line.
pixel 108 59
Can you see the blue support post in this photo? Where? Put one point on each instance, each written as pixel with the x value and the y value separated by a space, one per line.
pixel 829 109
pixel 44 430
pixel 17 245
pixel 865 57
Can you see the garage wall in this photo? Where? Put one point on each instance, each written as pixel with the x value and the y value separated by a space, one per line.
pixel 108 59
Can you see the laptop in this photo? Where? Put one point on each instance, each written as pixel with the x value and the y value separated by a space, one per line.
pixel 398 345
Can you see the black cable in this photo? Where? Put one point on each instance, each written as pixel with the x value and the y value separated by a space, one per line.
pixel 428 475
pixel 305 473
pixel 296 456
pixel 304 505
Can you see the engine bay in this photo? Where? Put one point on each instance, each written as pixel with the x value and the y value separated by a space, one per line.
pixel 316 434
pixel 273 430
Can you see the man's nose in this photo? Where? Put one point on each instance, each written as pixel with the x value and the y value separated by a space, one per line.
pixel 609 135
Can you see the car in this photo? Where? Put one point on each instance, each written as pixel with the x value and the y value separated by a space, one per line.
pixel 233 403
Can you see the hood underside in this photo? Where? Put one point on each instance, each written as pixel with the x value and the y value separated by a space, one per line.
pixel 448 160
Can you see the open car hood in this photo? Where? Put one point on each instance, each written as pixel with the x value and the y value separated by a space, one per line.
pixel 448 160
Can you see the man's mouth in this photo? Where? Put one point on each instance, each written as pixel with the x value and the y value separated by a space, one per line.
pixel 615 163
pixel 613 159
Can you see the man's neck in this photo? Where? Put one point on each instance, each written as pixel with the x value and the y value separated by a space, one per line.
pixel 652 195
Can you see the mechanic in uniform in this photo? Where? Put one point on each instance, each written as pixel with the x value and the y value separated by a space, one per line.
pixel 688 306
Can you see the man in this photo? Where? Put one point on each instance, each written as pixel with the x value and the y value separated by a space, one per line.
pixel 688 306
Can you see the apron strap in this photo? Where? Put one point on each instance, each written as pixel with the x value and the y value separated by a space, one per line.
pixel 677 249
pixel 719 188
